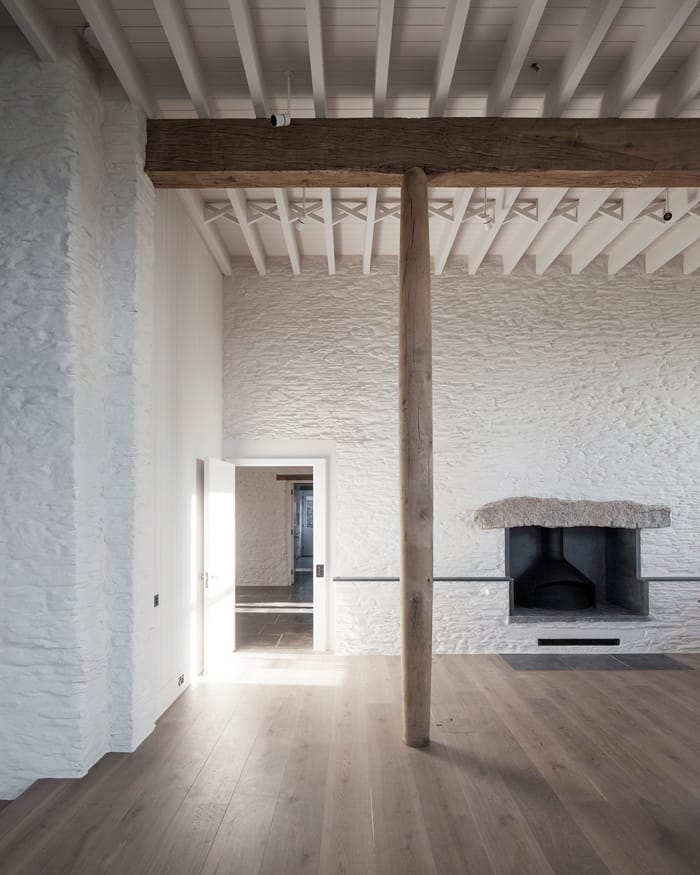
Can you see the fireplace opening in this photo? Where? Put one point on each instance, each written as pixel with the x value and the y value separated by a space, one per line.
pixel 583 571
pixel 552 582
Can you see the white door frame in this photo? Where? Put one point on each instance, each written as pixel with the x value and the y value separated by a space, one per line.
pixel 319 464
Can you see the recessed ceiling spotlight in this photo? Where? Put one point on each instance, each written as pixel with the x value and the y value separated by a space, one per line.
pixel 668 215
pixel 535 66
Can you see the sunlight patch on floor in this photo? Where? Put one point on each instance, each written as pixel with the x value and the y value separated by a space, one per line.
pixel 283 669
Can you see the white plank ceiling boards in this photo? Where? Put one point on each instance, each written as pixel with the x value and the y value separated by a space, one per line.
pixel 408 58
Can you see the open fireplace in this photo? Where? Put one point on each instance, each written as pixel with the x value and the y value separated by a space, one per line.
pixel 581 568
pixel 573 557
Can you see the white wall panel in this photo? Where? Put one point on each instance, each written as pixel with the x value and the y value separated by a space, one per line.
pixel 188 388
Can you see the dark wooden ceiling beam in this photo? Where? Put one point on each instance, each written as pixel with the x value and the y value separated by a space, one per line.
pixel 614 153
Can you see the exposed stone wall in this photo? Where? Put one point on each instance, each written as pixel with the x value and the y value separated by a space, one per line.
pixel 127 325
pixel 473 618
pixel 53 715
pixel 75 340
pixel 579 387
pixel 263 523
pixel 83 225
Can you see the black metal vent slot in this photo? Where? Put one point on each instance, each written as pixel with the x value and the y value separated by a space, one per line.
pixel 578 642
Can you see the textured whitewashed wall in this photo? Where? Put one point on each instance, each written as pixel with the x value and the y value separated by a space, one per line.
pixel 187 378
pixel 54 717
pixel 473 618
pixel 263 520
pixel 578 387
pixel 127 331
pixel 83 225
pixel 86 664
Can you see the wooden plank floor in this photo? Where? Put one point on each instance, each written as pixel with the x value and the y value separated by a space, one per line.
pixel 292 763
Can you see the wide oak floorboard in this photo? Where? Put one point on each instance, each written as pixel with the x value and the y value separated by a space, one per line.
pixel 287 763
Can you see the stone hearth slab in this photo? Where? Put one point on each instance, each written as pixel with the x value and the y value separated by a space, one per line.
pixel 555 512
pixel 592 662
pixel 650 662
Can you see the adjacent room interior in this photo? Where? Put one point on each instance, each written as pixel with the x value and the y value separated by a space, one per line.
pixel 274 558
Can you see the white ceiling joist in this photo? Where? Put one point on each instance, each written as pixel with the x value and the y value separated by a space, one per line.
pixel 520 37
pixel 248 47
pixel 452 35
pixel 31 19
pixel 547 203
pixel 369 229
pixel 605 230
pixel 691 258
pixel 459 209
pixel 479 252
pixel 318 83
pixel 672 243
pixel 288 230
pixel 193 203
pixel 684 86
pixel 670 16
pixel 328 228
pixel 560 236
pixel 385 29
pixel 110 35
pixel 589 35
pixel 250 56
pixel 315 37
pixel 178 33
pixel 634 241
pixel 634 70
pixel 104 24
pixel 249 231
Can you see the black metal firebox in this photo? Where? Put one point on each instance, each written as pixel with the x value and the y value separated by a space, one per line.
pixel 576 570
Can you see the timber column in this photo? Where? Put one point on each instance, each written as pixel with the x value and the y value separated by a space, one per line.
pixel 415 458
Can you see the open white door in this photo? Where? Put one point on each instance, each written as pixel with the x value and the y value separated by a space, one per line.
pixel 219 562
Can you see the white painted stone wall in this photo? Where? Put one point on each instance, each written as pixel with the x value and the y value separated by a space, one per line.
pixel 54 717
pixel 473 618
pixel 84 222
pixel 127 332
pixel 567 386
pixel 93 347
pixel 87 663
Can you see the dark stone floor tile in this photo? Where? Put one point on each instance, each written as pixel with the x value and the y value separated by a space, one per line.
pixel 651 662
pixel 535 661
pixel 594 662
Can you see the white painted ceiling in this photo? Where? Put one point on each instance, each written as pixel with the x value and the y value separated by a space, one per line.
pixel 575 58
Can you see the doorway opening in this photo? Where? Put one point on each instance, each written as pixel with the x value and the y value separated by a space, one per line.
pixel 274 558
pixel 303 538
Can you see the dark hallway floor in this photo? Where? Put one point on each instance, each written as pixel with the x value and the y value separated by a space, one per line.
pixel 275 616
pixel 255 631
pixel 301 592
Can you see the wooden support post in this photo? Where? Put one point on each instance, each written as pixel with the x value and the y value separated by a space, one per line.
pixel 416 458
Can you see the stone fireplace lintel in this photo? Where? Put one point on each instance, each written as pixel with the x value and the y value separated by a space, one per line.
pixel 557 512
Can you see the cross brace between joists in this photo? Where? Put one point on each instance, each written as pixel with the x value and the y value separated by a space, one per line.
pixel 526 208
